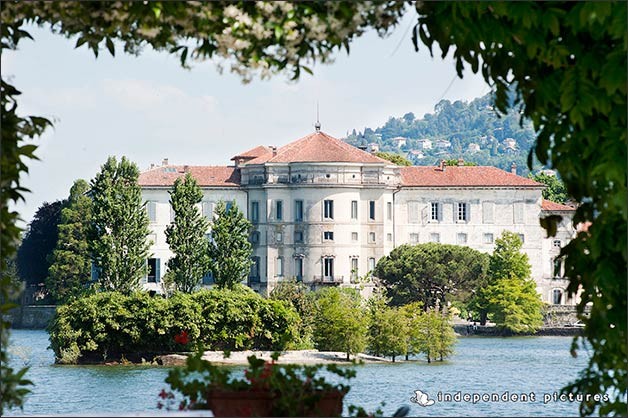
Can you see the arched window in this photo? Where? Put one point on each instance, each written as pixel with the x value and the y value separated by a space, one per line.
pixel 557 296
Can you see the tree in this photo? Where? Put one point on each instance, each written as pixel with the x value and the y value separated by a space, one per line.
pixel 301 298
pixel 119 228
pixel 436 337
pixel 394 158
pixel 575 48
pixel 186 236
pixel 412 313
pixel 229 249
pixel 70 272
pixel 511 295
pixel 431 272
pixel 555 190
pixel 340 323
pixel 387 328
pixel 33 256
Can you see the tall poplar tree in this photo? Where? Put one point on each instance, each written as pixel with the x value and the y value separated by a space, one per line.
pixel 119 226
pixel 186 236
pixel 70 272
pixel 229 249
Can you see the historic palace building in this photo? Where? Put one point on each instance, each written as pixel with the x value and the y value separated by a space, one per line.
pixel 325 212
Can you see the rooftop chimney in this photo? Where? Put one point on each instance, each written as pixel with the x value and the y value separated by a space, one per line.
pixel 460 162
pixel 152 165
pixel 186 168
pixel 442 165
pixel 274 149
pixel 164 162
pixel 513 168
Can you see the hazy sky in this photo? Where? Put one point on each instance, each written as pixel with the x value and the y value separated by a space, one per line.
pixel 149 108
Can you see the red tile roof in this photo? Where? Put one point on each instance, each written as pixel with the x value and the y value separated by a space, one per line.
pixel 204 175
pixel 553 206
pixel 318 147
pixel 465 176
pixel 258 151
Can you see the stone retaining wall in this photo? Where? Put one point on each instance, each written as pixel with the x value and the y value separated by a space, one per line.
pixel 31 316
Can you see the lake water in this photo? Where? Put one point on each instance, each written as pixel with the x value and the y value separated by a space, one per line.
pixel 537 366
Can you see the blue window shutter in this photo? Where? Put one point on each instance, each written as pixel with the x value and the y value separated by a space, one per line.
pixel 157 268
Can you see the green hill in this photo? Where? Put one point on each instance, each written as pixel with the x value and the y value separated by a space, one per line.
pixel 472 131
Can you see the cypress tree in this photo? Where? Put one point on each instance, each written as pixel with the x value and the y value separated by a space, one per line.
pixel 70 272
pixel 230 250
pixel 186 236
pixel 119 226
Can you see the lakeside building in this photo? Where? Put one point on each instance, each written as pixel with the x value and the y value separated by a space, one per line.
pixel 325 212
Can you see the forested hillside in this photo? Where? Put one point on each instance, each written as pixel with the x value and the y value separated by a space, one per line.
pixel 472 131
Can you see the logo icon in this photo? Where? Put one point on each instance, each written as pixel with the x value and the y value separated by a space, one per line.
pixel 422 398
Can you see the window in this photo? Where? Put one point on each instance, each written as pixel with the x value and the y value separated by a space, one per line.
pixel 95 272
pixel 371 264
pixel 557 268
pixel 488 238
pixel 208 209
pixel 557 296
pixel 279 266
pixel 229 205
pixel 435 211
pixel 556 243
pixel 255 212
pixel 151 209
pixel 461 238
pixel 298 211
pixel 255 237
pixel 434 237
pixel 354 209
pixel 488 212
pixel 278 236
pixel 414 238
pixel 463 212
pixel 298 268
pixel 518 212
pixel 255 268
pixel 328 267
pixel 413 212
pixel 371 237
pixel 389 237
pixel 328 236
pixel 328 210
pixel 298 236
pixel 279 210
pixel 354 236
pixel 389 211
pixel 372 210
pixel 153 270
pixel 522 238
pixel 208 278
pixel 172 214
pixel 354 268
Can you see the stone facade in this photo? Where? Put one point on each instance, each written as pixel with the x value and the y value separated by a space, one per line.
pixel 326 212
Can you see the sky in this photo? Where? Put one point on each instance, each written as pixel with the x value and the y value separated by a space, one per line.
pixel 148 107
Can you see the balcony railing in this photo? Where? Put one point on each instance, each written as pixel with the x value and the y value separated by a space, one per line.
pixel 328 279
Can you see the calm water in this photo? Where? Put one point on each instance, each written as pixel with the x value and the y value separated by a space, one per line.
pixel 537 365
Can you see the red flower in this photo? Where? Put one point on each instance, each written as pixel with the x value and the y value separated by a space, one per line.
pixel 163 394
pixel 182 338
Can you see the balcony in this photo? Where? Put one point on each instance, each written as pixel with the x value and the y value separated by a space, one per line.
pixel 328 280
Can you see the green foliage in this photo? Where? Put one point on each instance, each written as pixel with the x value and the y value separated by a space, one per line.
pixel 110 325
pixel 507 259
pixel 33 256
pixel 431 272
pixel 302 300
pixel 186 236
pixel 340 322
pixel 566 62
pixel 70 272
pixel 119 227
pixel 435 334
pixel 515 304
pixel 388 329
pixel 229 249
pixel 394 158
pixel 294 390
pixel 555 191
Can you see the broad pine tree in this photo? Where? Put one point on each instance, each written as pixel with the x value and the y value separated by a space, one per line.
pixel 229 250
pixel 119 226
pixel 70 272
pixel 186 236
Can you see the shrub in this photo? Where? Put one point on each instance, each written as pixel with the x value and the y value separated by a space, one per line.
pixel 109 326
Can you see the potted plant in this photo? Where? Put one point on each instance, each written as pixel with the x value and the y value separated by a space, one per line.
pixel 267 389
